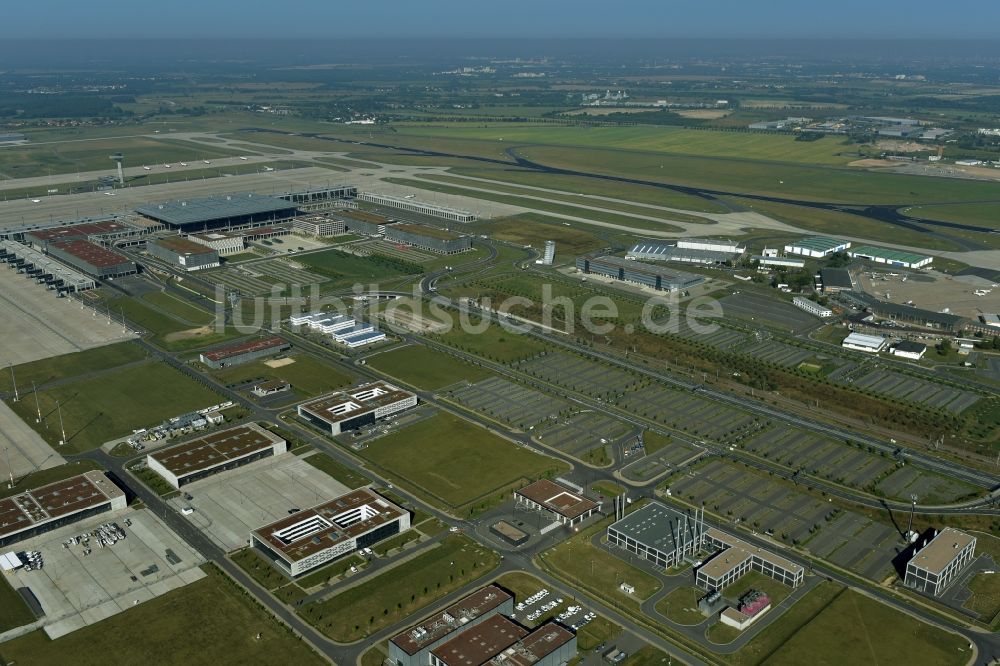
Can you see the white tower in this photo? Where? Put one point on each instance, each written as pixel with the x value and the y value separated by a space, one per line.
pixel 119 158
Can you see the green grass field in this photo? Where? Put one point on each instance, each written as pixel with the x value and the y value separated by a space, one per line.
pixel 347 269
pixel 456 462
pixel 534 229
pixel 879 634
pixel 986 215
pixel 71 365
pixel 402 591
pixel 681 606
pixel 206 623
pixel 179 308
pixel 493 343
pixel 102 407
pixel 167 331
pixel 425 368
pixel 345 475
pixel 308 376
pixel 13 611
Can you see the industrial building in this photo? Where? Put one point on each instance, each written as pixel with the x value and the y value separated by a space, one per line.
pixel 626 270
pixel 737 557
pixel 660 534
pixel 310 538
pixel 186 254
pixel 91 258
pixel 565 507
pixel 270 387
pixel 348 410
pixel 412 206
pixel 106 231
pixel 909 349
pixel 664 252
pixel 937 563
pixel 499 640
pixel 897 258
pixel 43 268
pixel 319 225
pixel 364 223
pixel 835 280
pixel 710 245
pixel 413 646
pixel 812 307
pixel 428 238
pixel 817 246
pixel 990 319
pixel 211 454
pixel 244 352
pixel 779 262
pixel 52 506
pixel 206 213
pixel 872 344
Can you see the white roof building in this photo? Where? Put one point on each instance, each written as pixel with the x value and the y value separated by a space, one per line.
pixel 867 343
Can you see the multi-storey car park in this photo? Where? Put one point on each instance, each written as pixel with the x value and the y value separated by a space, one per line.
pixel 412 206
pixel 937 563
pixel 311 538
pixel 817 246
pixel 413 646
pixel 91 258
pixel 214 453
pixel 348 410
pixel 244 352
pixel 428 238
pixel 184 253
pixel 566 507
pixel 51 506
pixel 626 270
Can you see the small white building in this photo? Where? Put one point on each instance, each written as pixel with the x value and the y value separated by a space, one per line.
pixel 812 307
pixel 872 344
pixel 909 349
pixel 817 246
pixel 711 245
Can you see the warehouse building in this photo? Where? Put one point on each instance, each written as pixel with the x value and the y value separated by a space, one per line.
pixel 91 258
pixel 710 245
pixel 779 262
pixel 835 280
pixel 413 646
pixel 215 453
pixel 206 213
pixel 817 246
pixel 428 238
pixel 896 258
pixel 565 507
pixel 812 307
pixel 52 506
pixel 626 270
pixel 737 557
pixel 184 253
pixel 664 252
pixel 44 269
pixel 320 225
pixel 102 231
pixel 906 313
pixel 313 537
pixel 499 640
pixel 936 564
pixel 872 344
pixel 412 206
pixel 364 223
pixel 244 352
pixel 348 410
pixel 909 349
pixel 660 534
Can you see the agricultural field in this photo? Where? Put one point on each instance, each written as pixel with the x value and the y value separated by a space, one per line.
pixel 425 368
pixel 456 464
pixel 402 591
pixel 218 621
pixel 104 406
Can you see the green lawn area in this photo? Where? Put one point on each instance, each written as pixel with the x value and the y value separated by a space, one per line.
pixel 398 541
pixel 13 611
pixel 100 408
pixel 209 622
pixel 753 580
pixel 647 656
pixel 179 308
pixel 681 606
pixel 534 229
pixel 607 488
pixel 323 575
pixel 46 476
pixel 425 368
pixel 402 591
pixel 169 332
pixel 599 571
pixel 456 462
pixel 349 477
pixel 493 343
pixel 984 215
pixel 154 481
pixel 258 568
pixel 879 634
pixel 308 376
pixel 599 630
pixel 985 598
pixel 71 365
pixel 345 269
pixel 654 441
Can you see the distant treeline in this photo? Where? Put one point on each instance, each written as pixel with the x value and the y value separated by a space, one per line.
pixel 24 105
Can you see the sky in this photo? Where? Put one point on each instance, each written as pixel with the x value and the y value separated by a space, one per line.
pixel 752 19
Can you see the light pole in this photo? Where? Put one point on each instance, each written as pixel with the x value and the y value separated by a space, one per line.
pixel 13 381
pixel 38 407
pixel 10 470
pixel 62 429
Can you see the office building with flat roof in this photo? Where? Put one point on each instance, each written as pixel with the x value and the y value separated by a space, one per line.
pixel 648 275
pixel 736 557
pixel 212 454
pixel 835 280
pixel 364 222
pixel 311 538
pixel 184 253
pixel 319 225
pixel 54 505
pixel 412 647
pixel 812 307
pixel 244 352
pixel 564 505
pixel 937 563
pixel 349 410
pixel 660 534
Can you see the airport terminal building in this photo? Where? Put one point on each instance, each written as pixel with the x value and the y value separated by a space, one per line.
pixel 207 213
pixel 428 238
pixel 215 453
pixel 184 253
pixel 311 538
pixel 91 258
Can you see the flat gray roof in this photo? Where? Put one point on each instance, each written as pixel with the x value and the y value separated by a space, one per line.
pixel 207 209
pixel 655 525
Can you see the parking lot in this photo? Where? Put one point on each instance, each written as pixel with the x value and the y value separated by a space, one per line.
pixel 228 506
pixel 913 389
pixel 688 412
pixel 721 338
pixel 583 432
pixel 788 356
pixel 259 277
pixel 673 455
pixel 511 404
pixel 772 507
pixel 768 311
pixel 579 374
pixel 83 584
